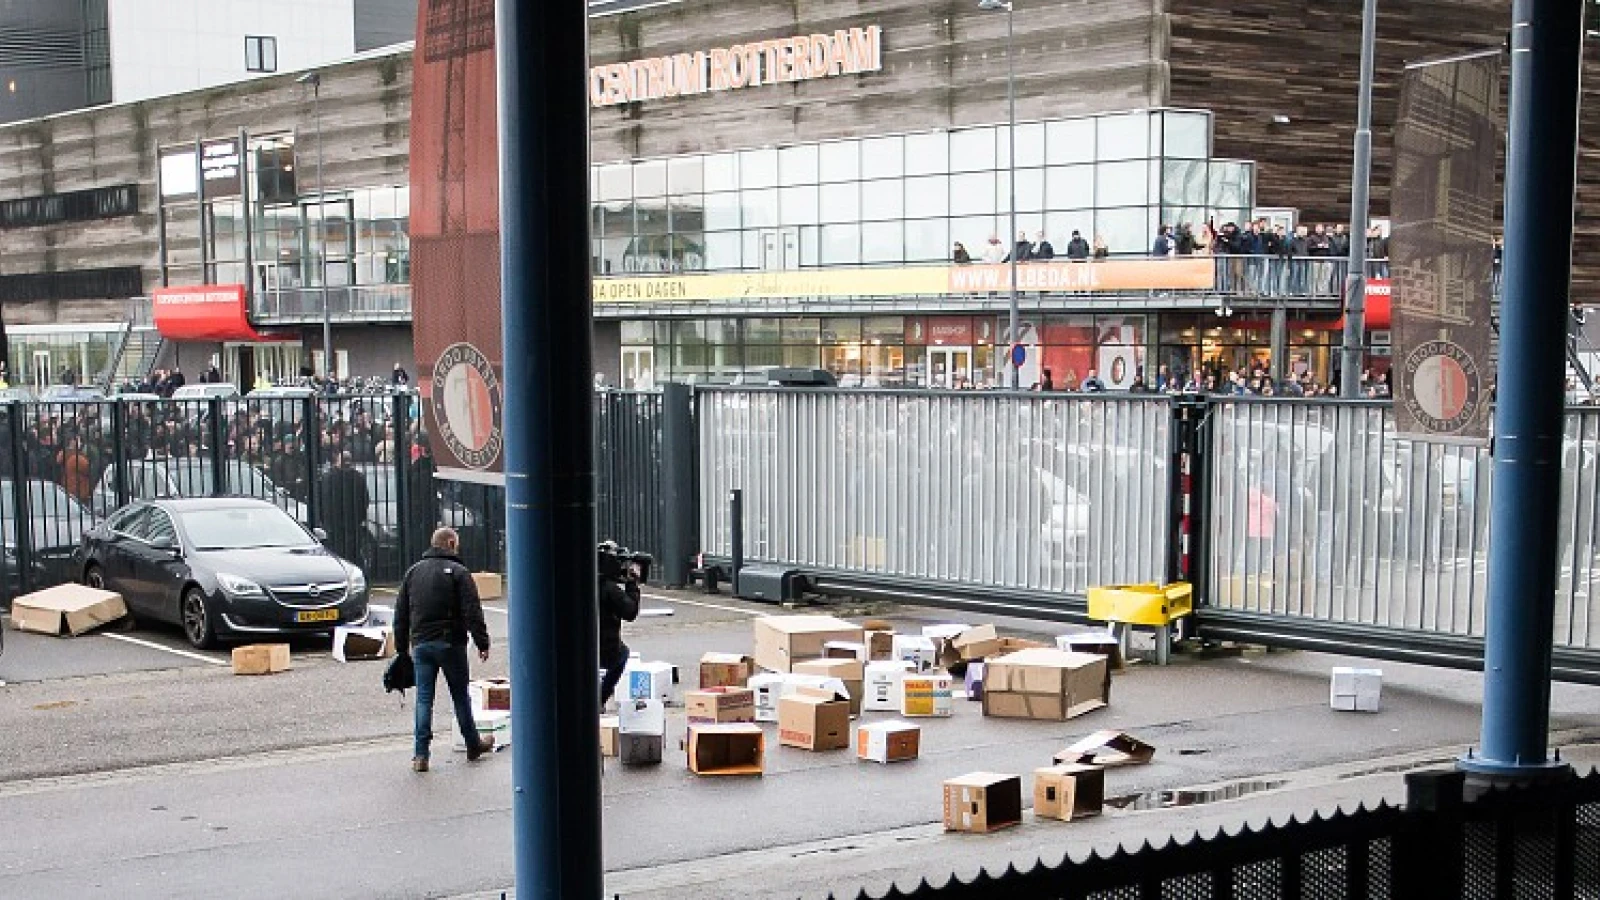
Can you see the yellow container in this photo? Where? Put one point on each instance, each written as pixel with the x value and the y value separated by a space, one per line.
pixel 1152 605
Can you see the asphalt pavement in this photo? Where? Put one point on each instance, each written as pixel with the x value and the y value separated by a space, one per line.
pixel 156 774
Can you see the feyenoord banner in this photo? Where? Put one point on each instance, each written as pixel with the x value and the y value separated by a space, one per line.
pixel 455 237
pixel 1441 250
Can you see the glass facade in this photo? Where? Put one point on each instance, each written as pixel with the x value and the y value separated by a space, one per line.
pixel 899 199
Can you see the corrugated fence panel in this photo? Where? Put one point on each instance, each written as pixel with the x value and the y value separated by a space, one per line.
pixel 1319 511
pixel 1048 493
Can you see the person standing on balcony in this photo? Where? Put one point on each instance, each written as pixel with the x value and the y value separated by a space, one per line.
pixel 1093 384
pixel 1378 252
pixel 1077 248
pixel 1023 249
pixel 1043 250
pixel 1163 246
pixel 1101 251
pixel 1185 239
pixel 959 255
pixel 1320 246
pixel 994 254
pixel 399 377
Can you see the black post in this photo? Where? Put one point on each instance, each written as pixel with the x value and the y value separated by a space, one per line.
pixel 1428 853
pixel 400 425
pixel 677 483
pixel 542 58
pixel 1176 441
pixel 219 455
pixel 736 536
pixel 119 454
pixel 19 499
pixel 312 416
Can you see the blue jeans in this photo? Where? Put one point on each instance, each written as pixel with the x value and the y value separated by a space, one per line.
pixel 430 658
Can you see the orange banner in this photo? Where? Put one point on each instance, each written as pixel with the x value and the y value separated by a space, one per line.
pixel 1109 275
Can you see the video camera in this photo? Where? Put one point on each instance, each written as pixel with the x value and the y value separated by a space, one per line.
pixel 618 563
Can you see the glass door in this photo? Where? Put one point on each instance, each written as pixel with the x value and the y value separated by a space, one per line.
pixel 41 370
pixel 949 367
pixel 638 368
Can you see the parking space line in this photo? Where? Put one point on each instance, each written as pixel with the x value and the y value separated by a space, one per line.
pixel 173 650
pixel 665 599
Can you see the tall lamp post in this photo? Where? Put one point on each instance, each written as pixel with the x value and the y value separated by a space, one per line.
pixel 1355 283
pixel 1011 169
pixel 315 80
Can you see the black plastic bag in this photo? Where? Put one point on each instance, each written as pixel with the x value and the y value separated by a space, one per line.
pixel 399 675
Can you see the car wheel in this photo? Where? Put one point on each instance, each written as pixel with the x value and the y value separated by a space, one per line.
pixel 197 624
pixel 95 577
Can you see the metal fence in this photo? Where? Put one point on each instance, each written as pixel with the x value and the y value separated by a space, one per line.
pixel 1032 493
pixel 628 432
pixel 1318 511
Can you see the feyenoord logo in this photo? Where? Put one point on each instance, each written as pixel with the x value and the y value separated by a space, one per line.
pixel 466 405
pixel 1445 387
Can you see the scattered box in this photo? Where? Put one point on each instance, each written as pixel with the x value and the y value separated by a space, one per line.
pixel 927 695
pixel 490 585
pixel 1042 683
pixel 260 659
pixel 714 706
pixel 846 650
pixel 66 610
pixel 943 632
pixel 649 681
pixel 490 723
pixel 734 749
pixel 881 686
pixel 782 641
pixel 725 670
pixel 352 644
pixel 1068 792
pixel 1356 690
pixel 850 671
pixel 974 681
pixel 490 694
pixel 767 688
pixel 982 802
pixel 977 642
pixel 887 742
pixel 641 716
pixel 1107 749
pixel 880 645
pixel 814 719
pixel 639 749
pixel 917 650
pixel 610 731
pixel 1013 644
pixel 379 616
pixel 1101 642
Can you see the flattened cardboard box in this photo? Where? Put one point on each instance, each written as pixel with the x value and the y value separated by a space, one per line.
pixel 725 670
pixel 782 641
pixel 1107 749
pixel 721 705
pixel 732 749
pixel 66 610
pixel 260 659
pixel 1045 684
pixel 1068 792
pixel 887 742
pixel 982 802
pixel 814 719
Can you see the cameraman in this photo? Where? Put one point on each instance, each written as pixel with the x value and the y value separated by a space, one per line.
pixel 619 602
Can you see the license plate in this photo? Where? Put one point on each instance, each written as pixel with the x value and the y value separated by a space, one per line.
pixel 317 615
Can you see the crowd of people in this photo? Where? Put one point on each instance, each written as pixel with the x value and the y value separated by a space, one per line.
pixel 1256 381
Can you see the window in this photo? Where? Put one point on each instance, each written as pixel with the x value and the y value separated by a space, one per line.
pixel 260 54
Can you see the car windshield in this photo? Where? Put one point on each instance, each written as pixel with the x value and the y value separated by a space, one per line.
pixel 44 498
pixel 242 528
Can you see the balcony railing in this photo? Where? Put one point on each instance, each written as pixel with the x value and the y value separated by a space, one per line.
pixel 366 303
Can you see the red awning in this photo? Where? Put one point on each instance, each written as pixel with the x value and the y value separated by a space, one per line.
pixel 1378 306
pixel 207 312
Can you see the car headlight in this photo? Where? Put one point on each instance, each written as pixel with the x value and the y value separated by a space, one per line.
pixel 235 586
pixel 358 581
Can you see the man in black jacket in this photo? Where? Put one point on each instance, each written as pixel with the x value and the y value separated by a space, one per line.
pixel 437 609
pixel 619 602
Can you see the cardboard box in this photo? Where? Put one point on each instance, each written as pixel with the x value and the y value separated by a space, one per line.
pixel 927 695
pixel 260 659
pixel 490 723
pixel 887 742
pixel 641 717
pixel 736 749
pixel 1101 642
pixel 1068 792
pixel 813 719
pixel 782 641
pixel 977 642
pixel 881 685
pixel 1356 690
pixel 1041 683
pixel 880 645
pixel 379 616
pixel 917 650
pixel 846 650
pixel 982 802
pixel 850 671
pixel 725 670
pixel 352 644
pixel 639 749
pixel 649 681
pixel 490 694
pixel 66 610
pixel 490 585
pixel 1012 645
pixel 719 705
pixel 974 681
pixel 610 731
pixel 944 632
pixel 767 688
pixel 1107 749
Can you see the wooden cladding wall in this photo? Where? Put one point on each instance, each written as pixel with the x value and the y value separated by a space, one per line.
pixel 944 64
pixel 1302 60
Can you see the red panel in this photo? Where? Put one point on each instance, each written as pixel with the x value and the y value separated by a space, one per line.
pixel 205 312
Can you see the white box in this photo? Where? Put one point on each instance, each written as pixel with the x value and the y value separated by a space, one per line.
pixel 641 717
pixel 490 723
pixel 882 685
pixel 932 694
pixel 937 633
pixel 767 687
pixel 889 741
pixel 371 643
pixel 917 650
pixel 1356 690
pixel 648 681
pixel 380 616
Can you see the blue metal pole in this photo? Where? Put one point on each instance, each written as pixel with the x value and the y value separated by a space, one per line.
pixel 1541 163
pixel 542 51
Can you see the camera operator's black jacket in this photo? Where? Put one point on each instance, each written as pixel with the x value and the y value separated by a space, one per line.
pixel 618 603
pixel 439 602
